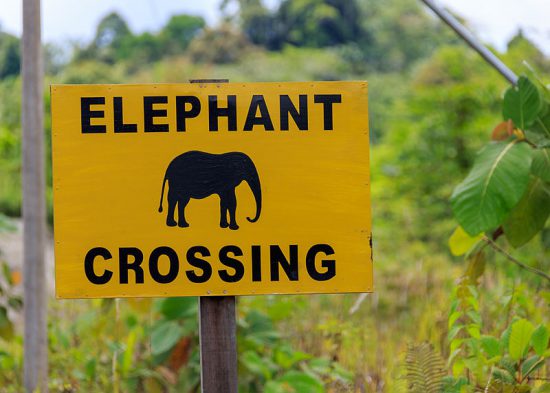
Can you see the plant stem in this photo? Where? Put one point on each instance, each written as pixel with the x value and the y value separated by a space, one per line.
pixel 496 247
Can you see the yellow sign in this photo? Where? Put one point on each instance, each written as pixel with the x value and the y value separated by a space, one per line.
pixel 211 189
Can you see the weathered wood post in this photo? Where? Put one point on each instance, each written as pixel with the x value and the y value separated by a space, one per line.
pixel 218 334
pixel 34 205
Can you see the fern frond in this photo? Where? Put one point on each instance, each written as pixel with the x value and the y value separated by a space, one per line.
pixel 425 369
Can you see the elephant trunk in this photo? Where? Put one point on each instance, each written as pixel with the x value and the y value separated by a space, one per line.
pixel 253 181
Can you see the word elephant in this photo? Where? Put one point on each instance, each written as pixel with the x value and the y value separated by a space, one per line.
pixel 196 174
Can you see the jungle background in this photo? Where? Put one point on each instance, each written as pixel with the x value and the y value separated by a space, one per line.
pixel 433 104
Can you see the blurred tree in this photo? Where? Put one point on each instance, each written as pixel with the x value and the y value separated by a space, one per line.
pixel 259 24
pixel 520 50
pixel 319 23
pixel 114 42
pixel 430 140
pixel 140 49
pixel 310 23
pixel 224 44
pixel 180 31
pixel 111 31
pixel 400 33
pixel 10 56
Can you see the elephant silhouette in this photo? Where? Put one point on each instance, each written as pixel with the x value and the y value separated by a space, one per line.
pixel 196 174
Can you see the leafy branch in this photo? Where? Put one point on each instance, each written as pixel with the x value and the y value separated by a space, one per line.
pixel 499 249
pixel 508 186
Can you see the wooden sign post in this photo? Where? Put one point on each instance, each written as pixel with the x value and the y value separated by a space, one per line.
pixel 218 333
pixel 218 340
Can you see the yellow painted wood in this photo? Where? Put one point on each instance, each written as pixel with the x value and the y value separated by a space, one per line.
pixel 315 190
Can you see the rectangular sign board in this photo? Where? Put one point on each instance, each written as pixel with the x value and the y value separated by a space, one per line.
pixel 211 189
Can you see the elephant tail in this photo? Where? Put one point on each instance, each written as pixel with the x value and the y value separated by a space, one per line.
pixel 162 194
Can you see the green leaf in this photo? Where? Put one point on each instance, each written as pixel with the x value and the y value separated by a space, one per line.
pixel 522 103
pixel 301 382
pixel 519 338
pixel 460 242
pixel 6 272
pixel 531 365
pixel 506 363
pixel 541 164
pixel 503 376
pixel 164 336
pixel 179 307
pixel 505 338
pixel 453 318
pixel 6 327
pixel 539 339
pixel 491 346
pixel 256 364
pixel 494 186
pixel 539 132
pixel 286 357
pixel 473 330
pixel 529 216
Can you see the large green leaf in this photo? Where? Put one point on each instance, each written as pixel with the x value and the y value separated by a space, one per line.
pixel 541 164
pixel 529 216
pixel 539 339
pixel 491 346
pixel 494 186
pixel 520 336
pixel 164 336
pixel 522 103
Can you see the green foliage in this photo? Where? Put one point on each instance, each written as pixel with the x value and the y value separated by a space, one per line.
pixel 10 56
pixel 506 192
pixel 425 369
pixel 507 185
pixel 505 363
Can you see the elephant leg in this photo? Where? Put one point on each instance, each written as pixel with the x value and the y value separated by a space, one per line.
pixel 172 200
pixel 232 207
pixel 223 211
pixel 182 203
